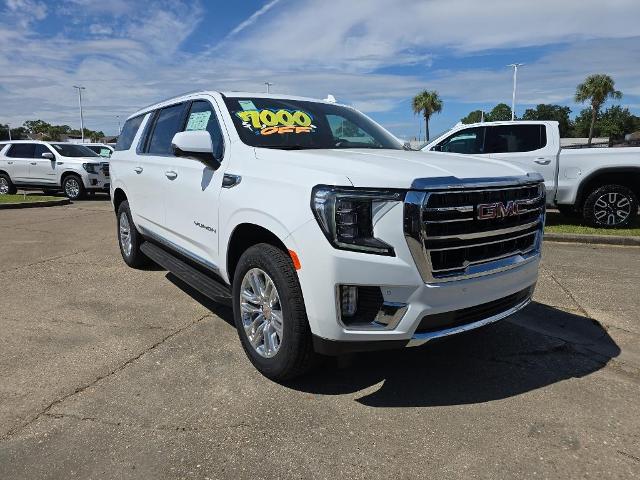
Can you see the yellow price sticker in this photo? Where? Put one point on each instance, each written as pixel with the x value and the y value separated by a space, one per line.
pixel 299 121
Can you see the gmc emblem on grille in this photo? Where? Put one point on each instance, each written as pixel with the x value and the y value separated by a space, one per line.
pixel 487 211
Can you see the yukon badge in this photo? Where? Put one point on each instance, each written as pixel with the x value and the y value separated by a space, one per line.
pixel 488 211
pixel 206 227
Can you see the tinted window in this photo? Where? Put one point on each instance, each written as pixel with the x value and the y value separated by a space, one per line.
pixel 128 133
pixel 296 124
pixel 469 141
pixel 73 150
pixel 22 150
pixel 515 138
pixel 168 123
pixel 203 117
pixel 39 150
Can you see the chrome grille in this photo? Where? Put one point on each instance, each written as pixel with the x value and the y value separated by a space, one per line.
pixel 105 168
pixel 463 229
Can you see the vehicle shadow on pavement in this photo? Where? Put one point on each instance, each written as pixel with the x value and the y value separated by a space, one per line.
pixel 539 347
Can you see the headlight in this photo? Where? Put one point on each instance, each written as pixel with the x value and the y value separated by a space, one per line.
pixel 346 216
pixel 90 167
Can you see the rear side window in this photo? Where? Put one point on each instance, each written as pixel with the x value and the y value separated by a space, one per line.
pixel 22 150
pixel 168 123
pixel 128 133
pixel 515 138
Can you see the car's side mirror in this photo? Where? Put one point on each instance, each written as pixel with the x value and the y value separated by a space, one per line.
pixel 48 155
pixel 195 144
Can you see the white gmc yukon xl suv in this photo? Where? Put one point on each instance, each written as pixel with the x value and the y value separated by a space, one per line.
pixel 319 228
pixel 51 166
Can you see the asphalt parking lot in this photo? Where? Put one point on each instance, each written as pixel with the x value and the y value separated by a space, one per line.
pixel 108 372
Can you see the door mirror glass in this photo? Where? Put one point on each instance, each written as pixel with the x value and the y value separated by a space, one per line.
pixel 196 144
pixel 48 155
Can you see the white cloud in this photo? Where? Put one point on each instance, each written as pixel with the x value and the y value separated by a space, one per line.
pixel 253 18
pixel 309 48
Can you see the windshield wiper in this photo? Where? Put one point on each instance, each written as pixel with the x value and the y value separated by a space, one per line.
pixel 287 147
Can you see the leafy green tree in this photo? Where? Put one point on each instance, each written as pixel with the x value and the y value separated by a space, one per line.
pixel 616 121
pixel 473 117
pixel 500 112
pixel 582 124
pixel 596 89
pixel 551 112
pixel 427 103
pixel 19 133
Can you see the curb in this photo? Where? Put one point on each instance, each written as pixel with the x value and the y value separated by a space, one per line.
pixel 592 239
pixel 44 203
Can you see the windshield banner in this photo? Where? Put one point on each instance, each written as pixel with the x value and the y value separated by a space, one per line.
pixel 269 122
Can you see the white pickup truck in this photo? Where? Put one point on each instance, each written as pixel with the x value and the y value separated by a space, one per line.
pixel 601 184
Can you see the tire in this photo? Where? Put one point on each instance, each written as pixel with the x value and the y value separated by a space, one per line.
pixel 73 187
pixel 6 185
pixel 568 211
pixel 290 352
pixel 129 239
pixel 611 206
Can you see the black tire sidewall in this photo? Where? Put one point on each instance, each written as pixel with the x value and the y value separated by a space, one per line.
pixel 296 335
pixel 136 258
pixel 589 204
pixel 81 191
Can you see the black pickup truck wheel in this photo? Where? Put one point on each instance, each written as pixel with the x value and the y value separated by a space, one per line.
pixel 611 206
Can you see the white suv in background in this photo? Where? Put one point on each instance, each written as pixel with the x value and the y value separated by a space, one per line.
pixel 319 228
pixel 52 166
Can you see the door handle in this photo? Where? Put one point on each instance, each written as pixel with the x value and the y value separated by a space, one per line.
pixel 9 163
pixel 542 161
pixel 34 163
pixel 170 174
pixel 138 169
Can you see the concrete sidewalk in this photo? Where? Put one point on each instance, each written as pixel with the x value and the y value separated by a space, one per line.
pixel 109 372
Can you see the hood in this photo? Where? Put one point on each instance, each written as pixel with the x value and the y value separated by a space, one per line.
pixel 391 168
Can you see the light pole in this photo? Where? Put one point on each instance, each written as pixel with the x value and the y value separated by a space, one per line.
pixel 515 81
pixel 268 84
pixel 80 103
pixel 119 131
pixel 9 128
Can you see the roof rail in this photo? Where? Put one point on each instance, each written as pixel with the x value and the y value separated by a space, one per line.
pixel 171 97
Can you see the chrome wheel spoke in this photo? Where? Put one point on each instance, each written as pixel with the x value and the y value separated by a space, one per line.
pixel 261 314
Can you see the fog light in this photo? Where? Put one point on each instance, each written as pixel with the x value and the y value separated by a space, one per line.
pixel 349 300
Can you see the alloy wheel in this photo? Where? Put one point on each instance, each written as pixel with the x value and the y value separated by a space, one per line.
pixel 4 186
pixel 612 208
pixel 261 312
pixel 125 234
pixel 72 188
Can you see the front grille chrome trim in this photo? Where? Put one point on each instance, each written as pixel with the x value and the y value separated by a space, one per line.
pixel 490 233
pixel 420 243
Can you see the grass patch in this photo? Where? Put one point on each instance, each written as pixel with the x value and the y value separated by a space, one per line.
pixel 558 223
pixel 19 198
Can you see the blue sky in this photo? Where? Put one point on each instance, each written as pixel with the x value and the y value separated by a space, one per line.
pixel 373 54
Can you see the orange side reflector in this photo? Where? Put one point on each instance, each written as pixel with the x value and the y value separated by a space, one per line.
pixel 296 260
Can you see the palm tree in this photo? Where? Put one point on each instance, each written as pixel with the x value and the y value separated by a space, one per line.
pixel 596 89
pixel 427 102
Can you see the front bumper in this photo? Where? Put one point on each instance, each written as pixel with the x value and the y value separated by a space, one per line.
pixel 97 182
pixel 325 268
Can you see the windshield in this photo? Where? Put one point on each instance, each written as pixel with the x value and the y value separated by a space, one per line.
pixel 296 124
pixel 73 150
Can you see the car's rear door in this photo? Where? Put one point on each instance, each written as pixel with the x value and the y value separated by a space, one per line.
pixel 528 146
pixel 153 161
pixel 19 156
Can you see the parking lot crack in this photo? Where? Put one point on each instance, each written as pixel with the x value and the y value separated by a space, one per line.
pixel 567 292
pixel 46 411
